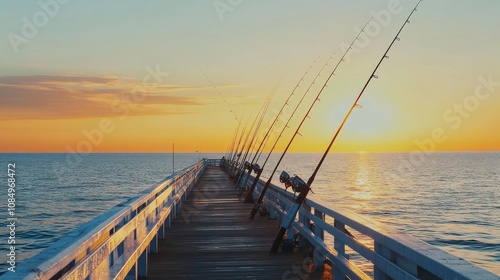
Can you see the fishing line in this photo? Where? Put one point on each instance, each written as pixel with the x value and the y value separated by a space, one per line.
pixel 297 131
pixel 260 118
pixel 218 91
pixel 297 184
pixel 258 151
pixel 250 166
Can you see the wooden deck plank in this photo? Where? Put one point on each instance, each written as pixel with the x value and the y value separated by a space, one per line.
pixel 212 238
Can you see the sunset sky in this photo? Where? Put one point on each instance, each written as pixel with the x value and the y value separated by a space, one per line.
pixel 137 76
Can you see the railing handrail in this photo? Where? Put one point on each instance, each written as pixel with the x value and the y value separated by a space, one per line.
pixel 391 245
pixel 73 249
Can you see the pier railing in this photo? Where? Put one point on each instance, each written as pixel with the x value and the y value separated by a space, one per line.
pixel 116 244
pixel 394 254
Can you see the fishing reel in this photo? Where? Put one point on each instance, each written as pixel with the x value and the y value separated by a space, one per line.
pixel 285 179
pixel 298 185
pixel 248 165
pixel 256 168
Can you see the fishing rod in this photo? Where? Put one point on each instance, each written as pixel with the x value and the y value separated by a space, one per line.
pixel 251 144
pixel 270 128
pixel 260 115
pixel 234 150
pixel 268 183
pixel 303 188
pixel 247 140
pixel 234 141
pixel 251 166
pixel 249 195
pixel 224 100
pixel 230 150
pixel 276 116
pixel 268 102
pixel 237 152
pixel 254 166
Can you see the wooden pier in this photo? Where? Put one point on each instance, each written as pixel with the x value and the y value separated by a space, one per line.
pixel 213 239
pixel 192 225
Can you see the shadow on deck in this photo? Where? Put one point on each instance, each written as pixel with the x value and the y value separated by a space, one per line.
pixel 212 238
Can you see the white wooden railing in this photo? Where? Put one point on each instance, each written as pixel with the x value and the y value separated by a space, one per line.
pixel 394 254
pixel 116 244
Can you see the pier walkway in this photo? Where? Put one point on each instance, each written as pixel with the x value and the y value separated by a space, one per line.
pixel 212 238
pixel 192 225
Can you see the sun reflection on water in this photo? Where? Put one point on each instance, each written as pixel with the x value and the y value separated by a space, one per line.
pixel 362 188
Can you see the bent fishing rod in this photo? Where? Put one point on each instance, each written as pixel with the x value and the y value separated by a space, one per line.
pixel 249 142
pixel 223 99
pixel 253 166
pixel 257 168
pixel 298 185
pixel 253 130
pixel 235 142
pixel 234 153
pixel 249 195
pixel 248 166
pixel 268 100
pixel 237 153
pixel 230 150
pixel 325 84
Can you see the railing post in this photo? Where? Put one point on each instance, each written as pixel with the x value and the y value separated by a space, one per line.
pixel 305 221
pixel 161 231
pixel 132 274
pixel 174 205
pixel 168 221
pixel 340 248
pixel 282 216
pixel 142 264
pixel 153 245
pixel 386 253
pixel 318 259
pixel 272 209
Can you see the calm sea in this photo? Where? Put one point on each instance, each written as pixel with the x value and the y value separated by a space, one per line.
pixel 450 200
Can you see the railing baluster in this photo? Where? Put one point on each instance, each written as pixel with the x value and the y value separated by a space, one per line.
pixel 318 258
pixel 339 246
pixel 142 265
pixel 305 221
pixel 153 245
pixel 378 274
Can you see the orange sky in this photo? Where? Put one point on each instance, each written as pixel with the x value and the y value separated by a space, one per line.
pixel 126 88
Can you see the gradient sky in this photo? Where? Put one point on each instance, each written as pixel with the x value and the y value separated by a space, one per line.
pixel 77 76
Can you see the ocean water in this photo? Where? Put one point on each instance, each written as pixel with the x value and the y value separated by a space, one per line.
pixel 57 192
pixel 450 200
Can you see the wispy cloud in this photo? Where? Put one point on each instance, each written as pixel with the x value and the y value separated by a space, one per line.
pixel 63 97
